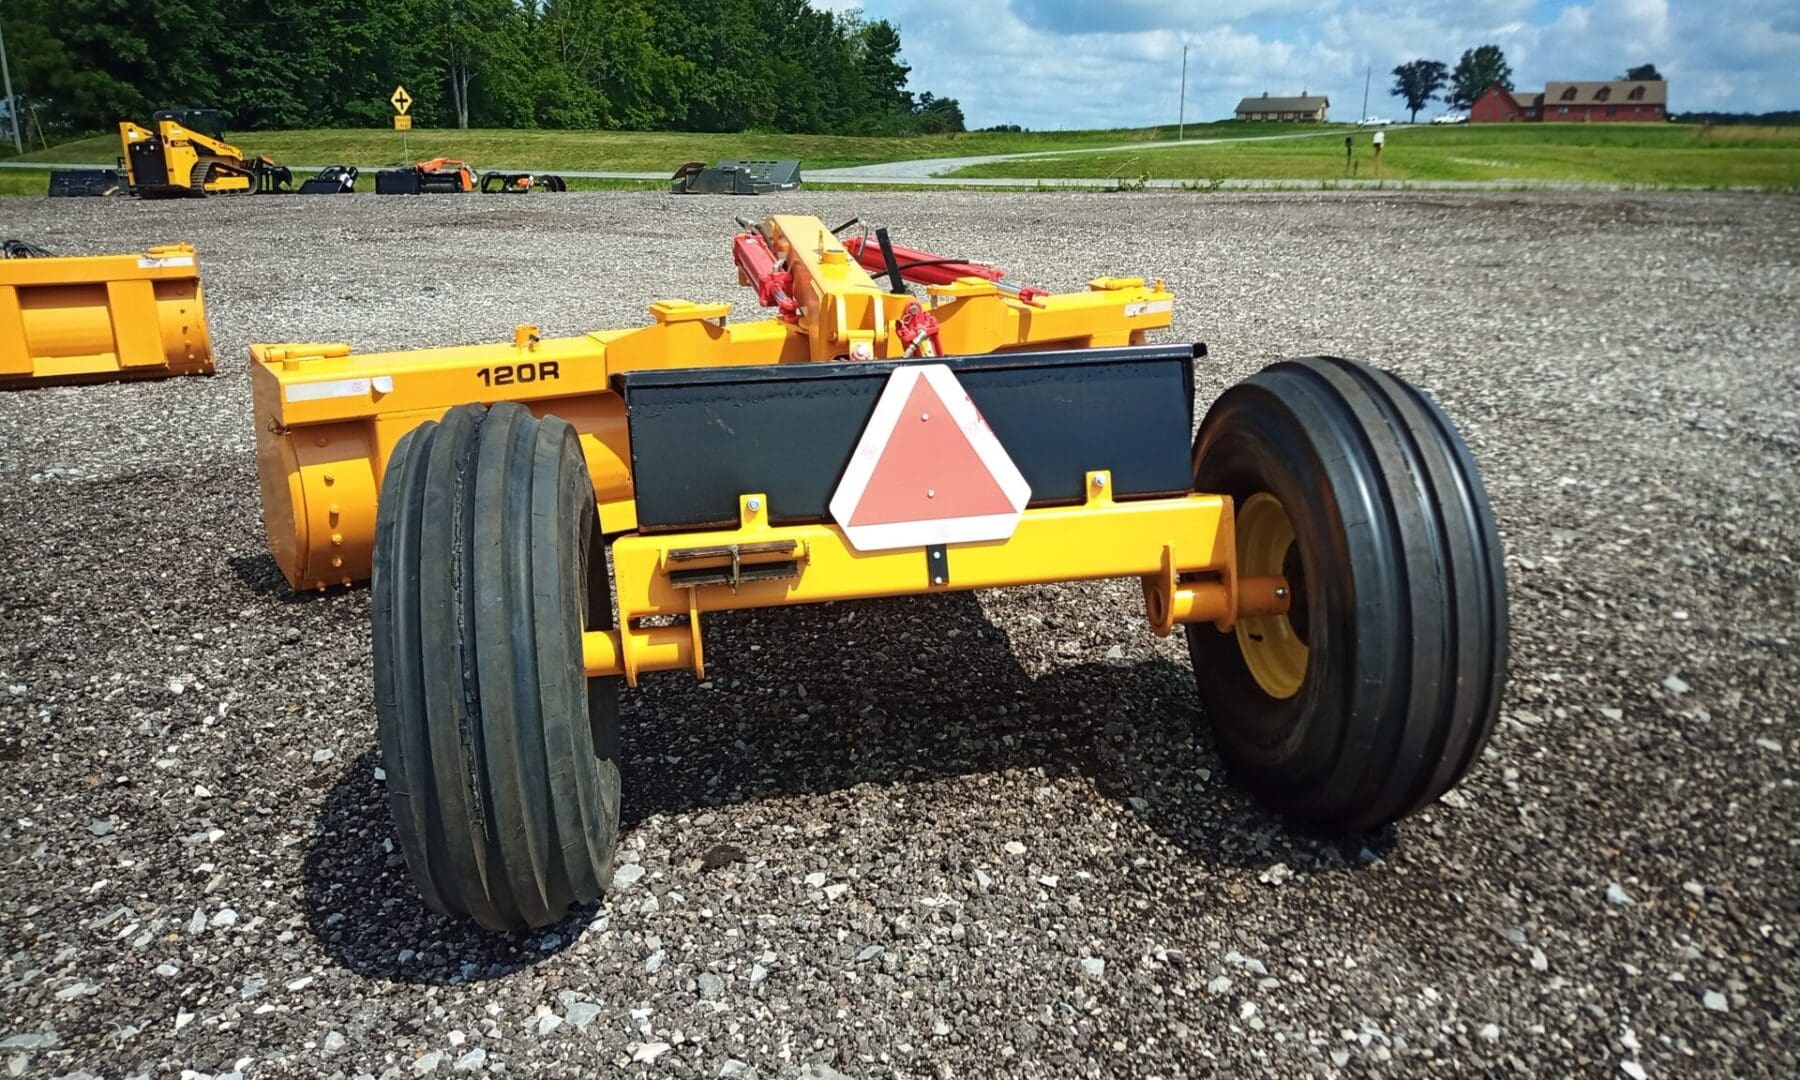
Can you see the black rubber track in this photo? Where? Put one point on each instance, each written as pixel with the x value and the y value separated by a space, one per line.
pixel 1405 591
pixel 501 755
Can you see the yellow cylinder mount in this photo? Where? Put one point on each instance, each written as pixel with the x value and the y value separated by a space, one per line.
pixel 102 317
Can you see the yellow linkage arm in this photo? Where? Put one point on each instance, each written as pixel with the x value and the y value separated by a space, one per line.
pixel 328 419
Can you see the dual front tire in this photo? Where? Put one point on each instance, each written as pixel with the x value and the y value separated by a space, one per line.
pixel 502 757
pixel 1379 688
pixel 1367 700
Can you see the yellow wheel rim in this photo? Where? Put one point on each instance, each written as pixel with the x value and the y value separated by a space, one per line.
pixel 1275 654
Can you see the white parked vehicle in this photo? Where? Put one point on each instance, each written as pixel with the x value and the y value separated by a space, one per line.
pixel 1374 121
pixel 1451 117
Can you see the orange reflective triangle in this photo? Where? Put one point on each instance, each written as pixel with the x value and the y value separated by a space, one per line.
pixel 928 470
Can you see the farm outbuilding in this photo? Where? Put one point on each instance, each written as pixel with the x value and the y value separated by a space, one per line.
pixel 1575 102
pixel 1304 109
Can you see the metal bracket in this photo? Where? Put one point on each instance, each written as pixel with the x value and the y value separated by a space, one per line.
pixel 937 564
pixel 737 572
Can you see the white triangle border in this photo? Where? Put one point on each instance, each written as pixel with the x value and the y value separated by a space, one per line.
pixel 873 442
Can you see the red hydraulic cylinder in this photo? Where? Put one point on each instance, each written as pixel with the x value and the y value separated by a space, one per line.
pixel 924 268
pixel 920 267
pixel 756 261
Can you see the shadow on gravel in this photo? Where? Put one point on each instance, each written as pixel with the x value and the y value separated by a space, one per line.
pixel 887 693
pixel 926 687
pixel 259 574
pixel 361 905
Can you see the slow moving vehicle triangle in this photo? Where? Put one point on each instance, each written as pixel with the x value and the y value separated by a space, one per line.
pixel 927 470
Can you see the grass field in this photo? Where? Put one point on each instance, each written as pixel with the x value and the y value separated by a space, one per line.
pixel 1673 155
pixel 1662 155
pixel 629 151
pixel 23 182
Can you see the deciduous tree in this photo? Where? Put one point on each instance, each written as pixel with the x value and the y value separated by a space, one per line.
pixel 709 65
pixel 1479 70
pixel 1416 83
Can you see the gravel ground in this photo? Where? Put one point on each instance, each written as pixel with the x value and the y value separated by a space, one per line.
pixel 960 836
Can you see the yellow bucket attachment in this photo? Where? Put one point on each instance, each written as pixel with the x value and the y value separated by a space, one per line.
pixel 102 317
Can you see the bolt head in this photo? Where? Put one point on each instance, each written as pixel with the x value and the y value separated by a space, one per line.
pixel 754 505
pixel 1099 482
pixel 1281 592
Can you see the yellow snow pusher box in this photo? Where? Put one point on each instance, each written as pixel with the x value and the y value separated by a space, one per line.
pixel 97 318
pixel 1324 543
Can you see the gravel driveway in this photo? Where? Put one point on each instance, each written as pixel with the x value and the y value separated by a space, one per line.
pixel 971 835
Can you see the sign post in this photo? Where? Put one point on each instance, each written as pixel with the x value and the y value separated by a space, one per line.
pixel 12 104
pixel 402 101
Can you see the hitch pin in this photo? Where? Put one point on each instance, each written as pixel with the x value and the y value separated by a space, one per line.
pixel 1024 294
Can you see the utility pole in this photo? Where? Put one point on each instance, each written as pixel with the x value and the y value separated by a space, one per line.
pixel 12 106
pixel 1181 123
pixel 1370 70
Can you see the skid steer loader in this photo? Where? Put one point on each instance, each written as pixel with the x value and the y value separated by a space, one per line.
pixel 1324 543
pixel 184 154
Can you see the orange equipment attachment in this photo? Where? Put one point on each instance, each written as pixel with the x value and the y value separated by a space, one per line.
pixel 102 317
pixel 447 171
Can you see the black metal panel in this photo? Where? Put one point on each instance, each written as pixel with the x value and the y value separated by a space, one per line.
pixel 72 182
pixel 332 180
pixel 148 166
pixel 700 437
pixel 741 177
pixel 397 182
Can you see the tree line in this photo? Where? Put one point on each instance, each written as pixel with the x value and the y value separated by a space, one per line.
pixel 693 65
pixel 1479 70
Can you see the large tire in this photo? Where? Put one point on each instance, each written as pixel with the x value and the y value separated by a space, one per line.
pixel 501 755
pixel 1398 595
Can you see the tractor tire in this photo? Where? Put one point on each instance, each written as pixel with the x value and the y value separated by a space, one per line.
pixel 1377 691
pixel 502 756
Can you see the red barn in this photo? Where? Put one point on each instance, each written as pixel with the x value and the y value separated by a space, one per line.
pixel 1502 106
pixel 1575 102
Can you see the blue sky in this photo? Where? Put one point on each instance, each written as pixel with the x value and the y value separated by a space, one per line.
pixel 1052 64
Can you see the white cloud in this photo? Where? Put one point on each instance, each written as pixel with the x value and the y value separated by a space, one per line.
pixel 1111 63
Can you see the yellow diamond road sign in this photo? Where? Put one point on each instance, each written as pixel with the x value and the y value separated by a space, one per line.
pixel 401 99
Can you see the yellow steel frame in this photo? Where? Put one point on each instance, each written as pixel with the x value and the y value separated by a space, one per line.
pixel 102 317
pixel 1183 549
pixel 328 418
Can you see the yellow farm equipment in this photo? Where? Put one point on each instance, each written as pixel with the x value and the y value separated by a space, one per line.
pixel 102 317
pixel 1324 543
pixel 184 153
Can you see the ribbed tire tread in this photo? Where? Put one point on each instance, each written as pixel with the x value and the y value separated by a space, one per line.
pixel 1407 584
pixel 501 756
